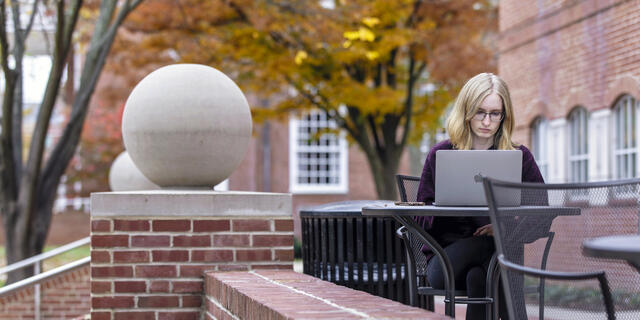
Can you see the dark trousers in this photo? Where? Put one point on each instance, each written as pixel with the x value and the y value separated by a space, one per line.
pixel 470 258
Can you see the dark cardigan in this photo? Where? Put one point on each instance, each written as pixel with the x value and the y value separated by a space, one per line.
pixel 446 230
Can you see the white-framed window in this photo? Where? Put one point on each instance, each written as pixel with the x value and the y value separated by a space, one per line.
pixel 625 153
pixel 539 147
pixel 578 145
pixel 317 158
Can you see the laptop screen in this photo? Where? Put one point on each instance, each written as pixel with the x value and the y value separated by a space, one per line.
pixel 458 173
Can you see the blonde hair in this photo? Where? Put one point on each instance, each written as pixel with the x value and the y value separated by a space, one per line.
pixel 467 104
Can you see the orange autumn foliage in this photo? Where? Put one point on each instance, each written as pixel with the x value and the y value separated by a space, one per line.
pixel 383 70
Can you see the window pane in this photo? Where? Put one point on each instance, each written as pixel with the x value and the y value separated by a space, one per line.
pixel 578 145
pixel 318 158
pixel 625 112
pixel 632 165
pixel 538 144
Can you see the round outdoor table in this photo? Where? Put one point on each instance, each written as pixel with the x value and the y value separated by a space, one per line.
pixel 342 246
pixel 623 247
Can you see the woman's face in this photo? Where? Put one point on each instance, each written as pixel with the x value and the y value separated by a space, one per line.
pixel 486 121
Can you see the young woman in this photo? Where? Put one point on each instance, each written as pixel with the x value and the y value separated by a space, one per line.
pixel 481 119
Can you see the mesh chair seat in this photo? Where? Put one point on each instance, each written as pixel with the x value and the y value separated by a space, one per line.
pixel 573 284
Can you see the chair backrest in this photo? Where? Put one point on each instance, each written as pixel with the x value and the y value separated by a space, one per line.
pixel 418 258
pixel 408 187
pixel 408 190
pixel 574 212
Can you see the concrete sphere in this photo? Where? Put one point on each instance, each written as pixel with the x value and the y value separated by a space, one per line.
pixel 186 125
pixel 125 176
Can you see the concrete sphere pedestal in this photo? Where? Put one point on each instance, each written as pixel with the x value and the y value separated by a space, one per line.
pixel 125 176
pixel 186 125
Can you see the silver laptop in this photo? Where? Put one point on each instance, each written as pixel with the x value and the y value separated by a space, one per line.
pixel 457 172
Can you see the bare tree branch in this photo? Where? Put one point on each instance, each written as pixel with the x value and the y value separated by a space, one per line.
pixel 17 31
pixel 360 135
pixel 17 98
pixel 8 178
pixel 69 25
pixel 414 18
pixel 45 36
pixel 4 44
pixel 35 10
pixel 96 57
pixel 408 104
pixel 31 174
pixel 374 133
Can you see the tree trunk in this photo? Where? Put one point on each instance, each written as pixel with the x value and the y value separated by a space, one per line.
pixel 384 176
pixel 23 245
pixel 17 248
pixel 388 190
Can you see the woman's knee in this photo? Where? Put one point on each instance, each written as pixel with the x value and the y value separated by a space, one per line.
pixel 476 278
pixel 435 277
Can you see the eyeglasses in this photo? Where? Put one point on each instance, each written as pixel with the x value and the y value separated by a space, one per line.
pixel 494 116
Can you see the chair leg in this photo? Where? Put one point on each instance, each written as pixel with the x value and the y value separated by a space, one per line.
pixel 426 301
pixel 431 306
pixel 412 279
pixel 491 283
pixel 541 301
pixel 413 290
pixel 496 292
pixel 606 295
pixel 545 255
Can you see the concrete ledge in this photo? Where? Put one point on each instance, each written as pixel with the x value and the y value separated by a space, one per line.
pixel 190 203
pixel 268 294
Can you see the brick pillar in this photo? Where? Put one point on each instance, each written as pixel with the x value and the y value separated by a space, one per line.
pixel 149 249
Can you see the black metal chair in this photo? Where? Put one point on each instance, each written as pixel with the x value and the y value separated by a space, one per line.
pixel 574 212
pixel 417 262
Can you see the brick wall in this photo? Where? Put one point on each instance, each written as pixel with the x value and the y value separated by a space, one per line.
pixel 555 55
pixel 288 295
pixel 149 250
pixel 64 297
pixel 155 266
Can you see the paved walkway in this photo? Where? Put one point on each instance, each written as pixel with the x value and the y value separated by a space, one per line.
pixel 551 313
pixel 532 311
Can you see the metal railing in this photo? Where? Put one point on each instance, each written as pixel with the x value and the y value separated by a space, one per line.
pixel 39 276
pixel 43 276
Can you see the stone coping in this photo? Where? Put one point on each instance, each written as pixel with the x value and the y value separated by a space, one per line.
pixel 203 203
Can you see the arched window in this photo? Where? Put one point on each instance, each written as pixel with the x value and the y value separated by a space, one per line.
pixel 539 145
pixel 626 145
pixel 578 145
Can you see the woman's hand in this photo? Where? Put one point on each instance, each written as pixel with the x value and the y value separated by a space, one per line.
pixel 485 230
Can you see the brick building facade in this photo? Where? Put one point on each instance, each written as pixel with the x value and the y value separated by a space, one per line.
pixel 573 68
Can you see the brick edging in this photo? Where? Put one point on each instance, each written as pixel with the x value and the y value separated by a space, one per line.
pixel 291 295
